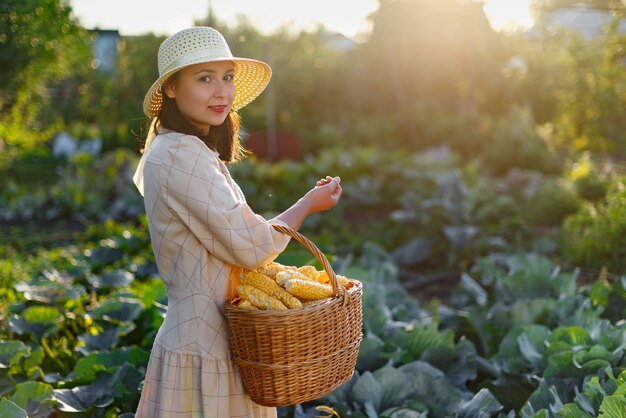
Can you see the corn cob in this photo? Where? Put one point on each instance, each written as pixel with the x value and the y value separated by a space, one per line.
pixel 272 268
pixel 259 298
pixel 283 276
pixel 259 280
pixel 307 289
pixel 309 271
pixel 246 304
pixel 269 286
pixel 322 277
pixel 341 280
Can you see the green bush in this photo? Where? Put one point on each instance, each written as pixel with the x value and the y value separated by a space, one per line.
pixel 591 180
pixel 591 187
pixel 515 142
pixel 551 202
pixel 595 236
pixel 84 188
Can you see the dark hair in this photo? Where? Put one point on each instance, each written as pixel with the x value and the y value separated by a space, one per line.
pixel 222 138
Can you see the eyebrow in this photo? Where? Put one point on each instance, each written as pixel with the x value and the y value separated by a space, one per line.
pixel 206 70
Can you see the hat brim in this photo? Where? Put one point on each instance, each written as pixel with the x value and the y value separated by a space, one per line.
pixel 251 78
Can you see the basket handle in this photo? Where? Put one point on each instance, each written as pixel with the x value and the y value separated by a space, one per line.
pixel 308 244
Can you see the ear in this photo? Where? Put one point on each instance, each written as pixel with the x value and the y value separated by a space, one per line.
pixel 168 89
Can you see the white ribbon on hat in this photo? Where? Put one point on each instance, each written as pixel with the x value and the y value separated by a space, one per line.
pixel 138 177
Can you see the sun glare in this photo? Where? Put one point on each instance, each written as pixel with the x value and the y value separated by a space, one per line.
pixel 508 15
pixel 346 16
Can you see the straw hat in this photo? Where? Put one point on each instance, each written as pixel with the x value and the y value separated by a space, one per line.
pixel 205 44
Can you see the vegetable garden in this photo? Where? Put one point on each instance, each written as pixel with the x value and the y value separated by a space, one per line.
pixel 516 333
pixel 491 243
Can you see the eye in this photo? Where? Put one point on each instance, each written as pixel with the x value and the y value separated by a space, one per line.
pixel 205 79
pixel 229 77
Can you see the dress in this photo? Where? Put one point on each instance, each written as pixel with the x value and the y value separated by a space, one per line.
pixel 201 229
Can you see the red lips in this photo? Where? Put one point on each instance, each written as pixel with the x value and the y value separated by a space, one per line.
pixel 218 109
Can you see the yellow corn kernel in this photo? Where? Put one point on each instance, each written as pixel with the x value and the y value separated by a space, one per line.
pixel 269 286
pixel 259 298
pixel 271 268
pixel 283 276
pixel 341 280
pixel 309 271
pixel 260 281
pixel 307 289
pixel 322 277
pixel 287 298
pixel 246 304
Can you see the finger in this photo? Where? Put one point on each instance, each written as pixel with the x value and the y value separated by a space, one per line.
pixel 335 181
pixel 322 182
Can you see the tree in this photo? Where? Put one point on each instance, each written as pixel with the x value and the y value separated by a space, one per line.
pixel 590 97
pixel 40 44
pixel 576 87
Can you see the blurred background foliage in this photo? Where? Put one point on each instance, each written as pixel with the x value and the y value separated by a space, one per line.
pixel 545 102
pixel 541 108
pixel 41 45
pixel 451 79
pixel 479 169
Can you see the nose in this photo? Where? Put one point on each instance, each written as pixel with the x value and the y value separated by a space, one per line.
pixel 221 90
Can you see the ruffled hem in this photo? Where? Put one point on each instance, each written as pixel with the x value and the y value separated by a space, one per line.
pixel 180 385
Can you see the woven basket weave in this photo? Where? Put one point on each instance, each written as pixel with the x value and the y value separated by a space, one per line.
pixel 297 355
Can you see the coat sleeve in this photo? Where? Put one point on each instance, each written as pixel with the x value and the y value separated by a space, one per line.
pixel 199 193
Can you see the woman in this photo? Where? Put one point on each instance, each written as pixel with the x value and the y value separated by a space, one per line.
pixel 203 233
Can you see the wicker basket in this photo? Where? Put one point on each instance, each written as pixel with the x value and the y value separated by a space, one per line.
pixel 297 355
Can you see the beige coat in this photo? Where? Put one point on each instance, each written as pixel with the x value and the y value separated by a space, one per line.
pixel 203 233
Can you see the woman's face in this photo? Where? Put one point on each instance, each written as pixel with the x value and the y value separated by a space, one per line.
pixel 204 93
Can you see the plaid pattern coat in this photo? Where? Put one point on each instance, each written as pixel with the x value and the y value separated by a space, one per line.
pixel 203 233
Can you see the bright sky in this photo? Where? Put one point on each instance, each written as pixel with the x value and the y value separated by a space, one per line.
pixel 133 17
